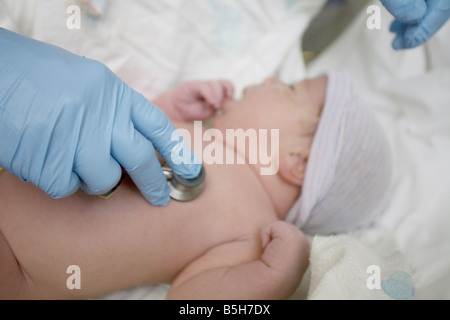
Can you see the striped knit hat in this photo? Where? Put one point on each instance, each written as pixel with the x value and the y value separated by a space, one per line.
pixel 349 168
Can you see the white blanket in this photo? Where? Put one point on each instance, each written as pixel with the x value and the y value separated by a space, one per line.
pixel 348 267
pixel 153 45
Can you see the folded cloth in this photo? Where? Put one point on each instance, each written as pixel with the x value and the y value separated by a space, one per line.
pixel 345 267
pixel 349 168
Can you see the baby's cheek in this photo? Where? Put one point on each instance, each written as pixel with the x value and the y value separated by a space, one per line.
pixel 309 124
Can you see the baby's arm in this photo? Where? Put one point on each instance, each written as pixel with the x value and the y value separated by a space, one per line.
pixel 238 270
pixel 195 100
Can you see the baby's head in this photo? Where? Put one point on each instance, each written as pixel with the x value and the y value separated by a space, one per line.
pixel 349 168
pixel 331 148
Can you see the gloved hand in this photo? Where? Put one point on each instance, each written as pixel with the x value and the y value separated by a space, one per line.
pixel 416 20
pixel 67 121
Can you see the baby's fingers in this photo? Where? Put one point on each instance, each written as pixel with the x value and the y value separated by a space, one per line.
pixel 279 230
pixel 286 248
pixel 228 88
pixel 216 92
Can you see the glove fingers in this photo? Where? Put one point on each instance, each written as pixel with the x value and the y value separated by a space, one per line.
pixel 98 174
pixel 72 185
pixel 154 125
pixel 148 177
pixel 138 157
pixel 418 34
pixel 406 11
pixel 398 27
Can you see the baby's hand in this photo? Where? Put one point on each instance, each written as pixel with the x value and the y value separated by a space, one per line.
pixel 286 251
pixel 199 100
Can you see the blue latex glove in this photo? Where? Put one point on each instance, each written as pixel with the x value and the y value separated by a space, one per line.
pixel 416 20
pixel 68 122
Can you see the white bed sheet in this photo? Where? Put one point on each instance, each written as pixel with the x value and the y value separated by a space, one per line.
pixel 153 45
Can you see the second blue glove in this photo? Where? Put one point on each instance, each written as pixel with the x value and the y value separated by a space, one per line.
pixel 416 20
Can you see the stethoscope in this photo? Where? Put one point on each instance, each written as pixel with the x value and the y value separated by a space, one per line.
pixel 181 189
pixel 184 189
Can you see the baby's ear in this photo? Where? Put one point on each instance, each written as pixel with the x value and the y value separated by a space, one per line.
pixel 293 167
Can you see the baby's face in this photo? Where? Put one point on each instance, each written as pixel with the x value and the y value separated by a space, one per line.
pixel 292 109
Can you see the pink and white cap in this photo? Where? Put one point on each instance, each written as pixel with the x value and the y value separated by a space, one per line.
pixel 348 173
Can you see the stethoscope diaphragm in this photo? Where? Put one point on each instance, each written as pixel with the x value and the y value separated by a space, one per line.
pixel 181 189
pixel 184 189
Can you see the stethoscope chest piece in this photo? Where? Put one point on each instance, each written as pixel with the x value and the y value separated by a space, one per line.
pixel 184 189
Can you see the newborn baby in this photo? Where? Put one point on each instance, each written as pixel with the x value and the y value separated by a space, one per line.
pixel 232 241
